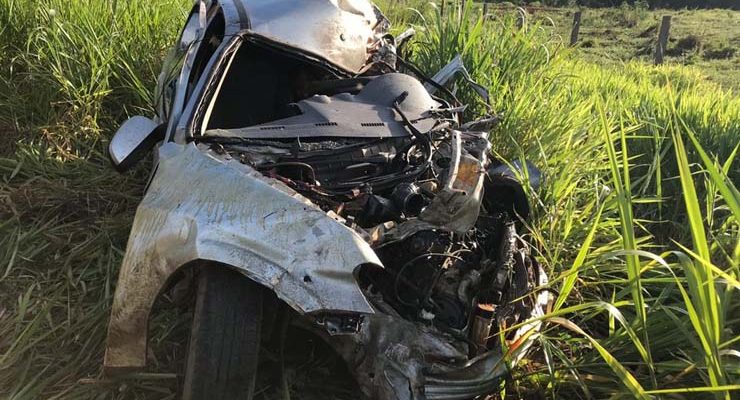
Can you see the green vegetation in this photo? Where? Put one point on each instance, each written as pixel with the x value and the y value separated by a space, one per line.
pixel 675 4
pixel 637 223
pixel 708 40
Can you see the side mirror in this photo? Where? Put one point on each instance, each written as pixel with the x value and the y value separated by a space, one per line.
pixel 133 140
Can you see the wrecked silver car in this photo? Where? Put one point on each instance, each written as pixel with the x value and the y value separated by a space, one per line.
pixel 302 162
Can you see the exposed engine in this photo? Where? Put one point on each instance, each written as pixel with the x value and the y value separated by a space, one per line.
pixel 396 166
pixel 416 196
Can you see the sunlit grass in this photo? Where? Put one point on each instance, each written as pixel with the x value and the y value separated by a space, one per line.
pixel 636 222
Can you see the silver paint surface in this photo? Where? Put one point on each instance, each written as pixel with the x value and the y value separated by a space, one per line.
pixel 202 207
pixel 129 136
pixel 340 31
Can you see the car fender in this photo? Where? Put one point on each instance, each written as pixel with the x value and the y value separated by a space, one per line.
pixel 205 206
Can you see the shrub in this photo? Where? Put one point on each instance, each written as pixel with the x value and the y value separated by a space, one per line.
pixel 685 45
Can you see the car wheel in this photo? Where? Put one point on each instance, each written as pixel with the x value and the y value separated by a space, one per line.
pixel 225 336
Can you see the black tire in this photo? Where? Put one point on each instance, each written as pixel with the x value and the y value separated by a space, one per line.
pixel 225 336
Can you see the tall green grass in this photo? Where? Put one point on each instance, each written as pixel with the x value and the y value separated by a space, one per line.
pixel 646 314
pixel 70 72
pixel 636 223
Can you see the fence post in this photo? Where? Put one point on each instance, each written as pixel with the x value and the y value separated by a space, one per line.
pixel 485 10
pixel 665 27
pixel 576 28
pixel 521 18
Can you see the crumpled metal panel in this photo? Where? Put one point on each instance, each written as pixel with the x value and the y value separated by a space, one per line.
pixel 202 207
pixel 396 359
pixel 389 356
pixel 340 31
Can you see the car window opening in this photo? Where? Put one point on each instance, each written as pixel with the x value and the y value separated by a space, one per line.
pixel 262 85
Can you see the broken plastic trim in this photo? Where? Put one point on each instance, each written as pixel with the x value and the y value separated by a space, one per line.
pixel 448 71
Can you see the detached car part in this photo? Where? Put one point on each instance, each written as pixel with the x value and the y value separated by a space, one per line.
pixel 297 161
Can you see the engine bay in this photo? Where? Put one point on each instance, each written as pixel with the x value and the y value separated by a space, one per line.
pixel 426 201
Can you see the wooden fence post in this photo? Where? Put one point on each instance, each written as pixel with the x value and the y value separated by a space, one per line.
pixel 665 27
pixel 485 10
pixel 521 18
pixel 576 28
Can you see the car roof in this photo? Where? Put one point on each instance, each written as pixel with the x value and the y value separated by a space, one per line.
pixel 340 32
